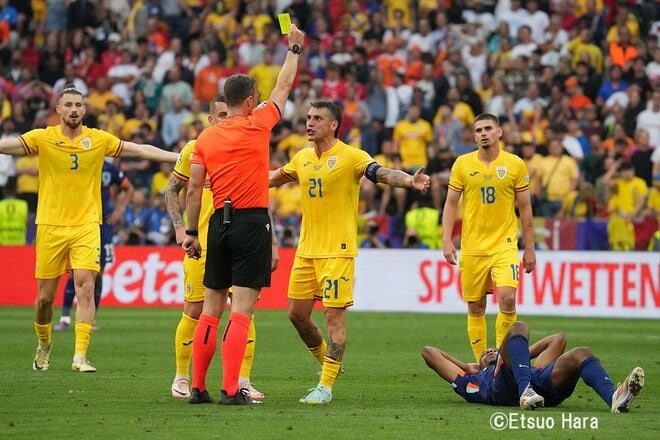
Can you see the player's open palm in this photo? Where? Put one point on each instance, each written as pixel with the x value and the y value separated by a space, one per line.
pixel 421 181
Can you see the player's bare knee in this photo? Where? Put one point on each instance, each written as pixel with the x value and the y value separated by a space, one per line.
pixel 507 303
pixel 297 318
pixel 580 354
pixel 519 328
pixel 477 308
pixel 44 303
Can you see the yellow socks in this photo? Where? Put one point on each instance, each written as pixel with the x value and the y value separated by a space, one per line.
pixel 43 333
pixel 503 323
pixel 183 344
pixel 329 372
pixel 248 357
pixel 477 332
pixel 83 330
pixel 319 352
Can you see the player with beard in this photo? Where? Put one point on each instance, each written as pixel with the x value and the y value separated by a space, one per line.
pixel 491 182
pixel 329 175
pixel 69 213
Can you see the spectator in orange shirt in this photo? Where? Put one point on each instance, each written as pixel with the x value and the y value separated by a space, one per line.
pixel 578 99
pixel 390 62
pixel 622 52
pixel 206 83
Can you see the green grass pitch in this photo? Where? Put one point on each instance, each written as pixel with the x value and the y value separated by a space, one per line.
pixel 387 391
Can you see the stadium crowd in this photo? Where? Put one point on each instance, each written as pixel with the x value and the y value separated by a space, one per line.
pixel 575 83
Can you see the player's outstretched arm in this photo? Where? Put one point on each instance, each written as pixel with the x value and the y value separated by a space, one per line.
pixel 401 179
pixel 11 146
pixel 174 208
pixel 277 178
pixel 149 152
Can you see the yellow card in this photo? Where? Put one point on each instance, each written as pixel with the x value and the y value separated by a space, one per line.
pixel 285 23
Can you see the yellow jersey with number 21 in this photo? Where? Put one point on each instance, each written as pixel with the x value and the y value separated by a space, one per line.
pixel 330 189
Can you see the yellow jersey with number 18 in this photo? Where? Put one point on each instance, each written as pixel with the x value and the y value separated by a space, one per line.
pixel 70 173
pixel 330 189
pixel 182 171
pixel 489 192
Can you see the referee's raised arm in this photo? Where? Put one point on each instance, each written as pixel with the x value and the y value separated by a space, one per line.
pixel 280 93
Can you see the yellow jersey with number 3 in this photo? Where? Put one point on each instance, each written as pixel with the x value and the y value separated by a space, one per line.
pixel 70 173
pixel 182 171
pixel 330 189
pixel 489 192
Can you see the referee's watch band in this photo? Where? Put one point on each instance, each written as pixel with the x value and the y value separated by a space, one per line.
pixel 192 233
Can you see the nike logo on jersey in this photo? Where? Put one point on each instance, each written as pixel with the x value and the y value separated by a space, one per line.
pixel 523 366
pixel 307 163
pixel 187 343
pixel 344 278
pixel 476 341
pixel 474 173
pixel 58 143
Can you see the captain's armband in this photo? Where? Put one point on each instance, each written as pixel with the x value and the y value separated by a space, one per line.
pixel 370 172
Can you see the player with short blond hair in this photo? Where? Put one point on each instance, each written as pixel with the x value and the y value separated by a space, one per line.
pixel 69 213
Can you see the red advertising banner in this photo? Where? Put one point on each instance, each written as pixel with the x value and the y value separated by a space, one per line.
pixel 564 283
pixel 140 276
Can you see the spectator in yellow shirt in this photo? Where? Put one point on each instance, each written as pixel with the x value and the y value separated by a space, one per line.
pixel 411 137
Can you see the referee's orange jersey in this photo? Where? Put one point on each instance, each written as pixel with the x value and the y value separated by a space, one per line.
pixel 235 153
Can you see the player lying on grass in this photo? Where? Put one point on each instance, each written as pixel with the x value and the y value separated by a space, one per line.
pixel 505 376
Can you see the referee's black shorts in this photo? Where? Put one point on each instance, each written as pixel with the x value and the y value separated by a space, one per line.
pixel 240 253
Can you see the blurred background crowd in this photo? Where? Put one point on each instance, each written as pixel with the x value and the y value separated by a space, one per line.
pixel 576 84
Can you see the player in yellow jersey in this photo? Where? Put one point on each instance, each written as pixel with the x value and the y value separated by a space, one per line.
pixel 69 213
pixel 491 182
pixel 329 175
pixel 194 270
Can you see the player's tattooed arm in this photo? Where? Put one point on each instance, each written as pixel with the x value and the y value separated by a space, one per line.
pixel 419 180
pixel 394 177
pixel 173 206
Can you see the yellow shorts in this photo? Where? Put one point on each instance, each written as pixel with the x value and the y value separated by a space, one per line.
pixel 326 279
pixel 60 248
pixel 193 278
pixel 479 272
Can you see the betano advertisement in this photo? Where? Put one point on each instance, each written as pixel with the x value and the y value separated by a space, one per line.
pixel 607 284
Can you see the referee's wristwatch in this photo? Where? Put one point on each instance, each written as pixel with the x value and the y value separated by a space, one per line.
pixel 295 48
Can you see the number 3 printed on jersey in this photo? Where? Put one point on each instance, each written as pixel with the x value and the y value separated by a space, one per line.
pixel 74 161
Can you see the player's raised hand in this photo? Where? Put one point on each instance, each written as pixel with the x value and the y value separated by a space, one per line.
pixel 420 180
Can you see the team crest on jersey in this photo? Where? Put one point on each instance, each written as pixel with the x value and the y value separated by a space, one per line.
pixel 332 162
pixel 501 172
pixel 86 143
